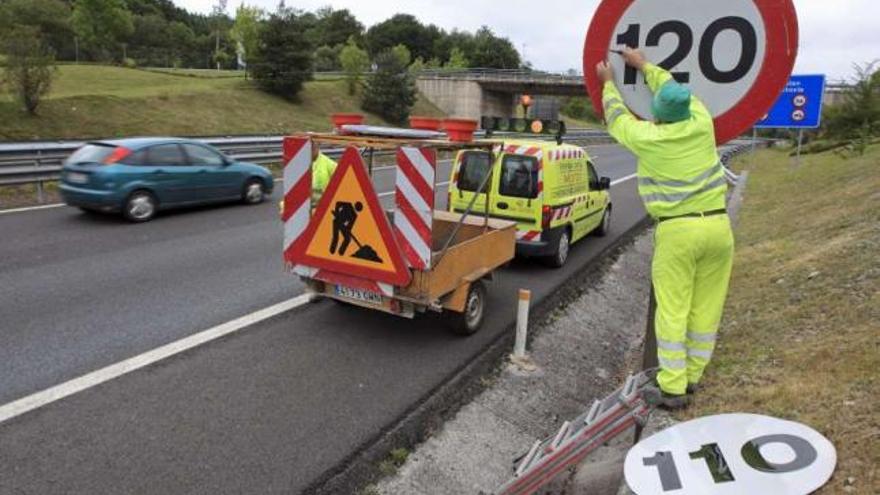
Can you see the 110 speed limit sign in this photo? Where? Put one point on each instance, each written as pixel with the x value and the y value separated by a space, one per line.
pixel 735 55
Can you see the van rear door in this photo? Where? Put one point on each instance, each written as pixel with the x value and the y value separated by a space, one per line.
pixel 473 167
pixel 516 197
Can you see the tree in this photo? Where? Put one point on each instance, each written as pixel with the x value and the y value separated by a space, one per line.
pixel 335 27
pixel 457 60
pixel 30 66
pixel 101 25
pixel 355 62
pixel 403 54
pixel 327 58
pixel 218 16
pixel 490 51
pixel 283 60
pixel 403 29
pixel 391 90
pixel 180 41
pixel 246 29
pixel 50 17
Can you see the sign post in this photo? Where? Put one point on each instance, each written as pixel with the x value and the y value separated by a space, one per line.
pixel 798 107
pixel 736 55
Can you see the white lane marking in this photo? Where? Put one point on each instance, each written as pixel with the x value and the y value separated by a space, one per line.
pixel 624 179
pixel 32 208
pixel 89 380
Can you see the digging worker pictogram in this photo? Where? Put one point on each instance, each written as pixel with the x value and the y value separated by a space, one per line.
pixel 681 182
pixel 344 216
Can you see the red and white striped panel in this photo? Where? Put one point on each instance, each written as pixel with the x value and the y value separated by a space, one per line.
pixel 562 213
pixel 414 192
pixel 297 190
pixel 527 235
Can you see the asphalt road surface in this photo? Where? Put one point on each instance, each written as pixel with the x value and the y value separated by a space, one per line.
pixel 265 410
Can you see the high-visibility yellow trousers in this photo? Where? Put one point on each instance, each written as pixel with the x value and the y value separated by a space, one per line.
pixel 693 257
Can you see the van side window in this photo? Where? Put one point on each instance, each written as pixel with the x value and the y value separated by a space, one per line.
pixel 519 177
pixel 594 177
pixel 475 165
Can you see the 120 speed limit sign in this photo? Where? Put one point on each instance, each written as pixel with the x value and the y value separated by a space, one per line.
pixel 736 55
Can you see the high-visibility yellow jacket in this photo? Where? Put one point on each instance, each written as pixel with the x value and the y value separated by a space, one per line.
pixel 322 170
pixel 679 171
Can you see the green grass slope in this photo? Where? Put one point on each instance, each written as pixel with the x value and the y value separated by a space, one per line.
pixel 90 101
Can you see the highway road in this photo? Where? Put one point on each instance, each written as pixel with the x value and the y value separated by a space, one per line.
pixel 268 409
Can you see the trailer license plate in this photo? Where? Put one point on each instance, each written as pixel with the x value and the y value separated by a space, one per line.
pixel 359 295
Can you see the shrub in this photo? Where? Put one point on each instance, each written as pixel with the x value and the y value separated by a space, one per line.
pixel 30 66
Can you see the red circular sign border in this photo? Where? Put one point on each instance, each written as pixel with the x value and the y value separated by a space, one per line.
pixel 781 28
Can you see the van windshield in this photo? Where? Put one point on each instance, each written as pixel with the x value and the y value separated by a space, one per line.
pixel 519 177
pixel 475 165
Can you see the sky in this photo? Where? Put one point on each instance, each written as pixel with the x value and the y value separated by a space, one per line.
pixel 834 34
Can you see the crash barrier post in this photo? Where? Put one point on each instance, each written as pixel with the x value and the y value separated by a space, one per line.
pixel 522 323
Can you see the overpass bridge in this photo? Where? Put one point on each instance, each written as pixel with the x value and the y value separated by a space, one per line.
pixel 471 93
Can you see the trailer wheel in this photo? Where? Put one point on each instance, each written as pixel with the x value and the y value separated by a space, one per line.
pixel 471 319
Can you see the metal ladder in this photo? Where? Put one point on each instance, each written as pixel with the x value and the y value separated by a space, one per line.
pixel 576 439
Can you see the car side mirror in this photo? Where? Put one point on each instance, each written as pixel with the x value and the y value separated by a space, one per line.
pixel 227 161
pixel 604 183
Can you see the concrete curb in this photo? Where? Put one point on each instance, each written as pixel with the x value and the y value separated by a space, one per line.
pixel 441 404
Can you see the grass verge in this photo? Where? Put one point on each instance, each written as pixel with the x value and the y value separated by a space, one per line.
pixel 91 101
pixel 800 338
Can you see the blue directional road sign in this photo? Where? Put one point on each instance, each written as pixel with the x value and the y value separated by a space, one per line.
pixel 799 105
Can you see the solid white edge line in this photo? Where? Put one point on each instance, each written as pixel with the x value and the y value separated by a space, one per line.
pixel 31 208
pixel 89 380
pixel 624 179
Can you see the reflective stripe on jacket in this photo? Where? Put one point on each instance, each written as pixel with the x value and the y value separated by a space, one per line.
pixel 678 165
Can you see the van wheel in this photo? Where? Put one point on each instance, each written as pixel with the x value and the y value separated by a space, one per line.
pixel 560 254
pixel 471 319
pixel 605 226
pixel 141 206
pixel 253 192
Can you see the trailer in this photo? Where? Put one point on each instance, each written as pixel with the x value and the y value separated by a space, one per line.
pixel 405 260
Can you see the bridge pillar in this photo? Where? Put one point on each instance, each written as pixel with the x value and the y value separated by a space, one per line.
pixel 466 99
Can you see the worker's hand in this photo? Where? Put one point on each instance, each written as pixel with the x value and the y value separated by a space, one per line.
pixel 634 58
pixel 604 71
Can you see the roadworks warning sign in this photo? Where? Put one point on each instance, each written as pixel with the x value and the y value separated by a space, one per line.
pixel 349 232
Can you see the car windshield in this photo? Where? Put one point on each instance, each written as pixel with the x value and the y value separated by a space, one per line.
pixel 91 153
pixel 474 167
pixel 519 177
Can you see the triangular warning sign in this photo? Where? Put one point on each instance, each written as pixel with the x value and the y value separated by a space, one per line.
pixel 349 233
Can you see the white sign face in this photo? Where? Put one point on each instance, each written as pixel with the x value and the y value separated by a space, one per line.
pixel 718 55
pixel 731 454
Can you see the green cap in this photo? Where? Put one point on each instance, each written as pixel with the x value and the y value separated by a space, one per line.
pixel 672 103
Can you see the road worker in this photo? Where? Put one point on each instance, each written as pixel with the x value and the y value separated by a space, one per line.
pixel 322 170
pixel 681 182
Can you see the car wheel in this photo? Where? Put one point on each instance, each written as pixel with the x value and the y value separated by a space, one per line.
pixel 605 226
pixel 141 206
pixel 254 192
pixel 471 319
pixel 560 254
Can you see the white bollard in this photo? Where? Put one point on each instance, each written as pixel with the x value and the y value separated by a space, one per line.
pixel 522 323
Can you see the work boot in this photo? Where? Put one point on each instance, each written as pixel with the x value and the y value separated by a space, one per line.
pixel 656 397
pixel 693 388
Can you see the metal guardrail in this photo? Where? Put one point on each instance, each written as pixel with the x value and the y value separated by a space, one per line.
pixel 38 162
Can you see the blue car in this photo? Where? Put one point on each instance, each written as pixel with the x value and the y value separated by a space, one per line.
pixel 140 176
